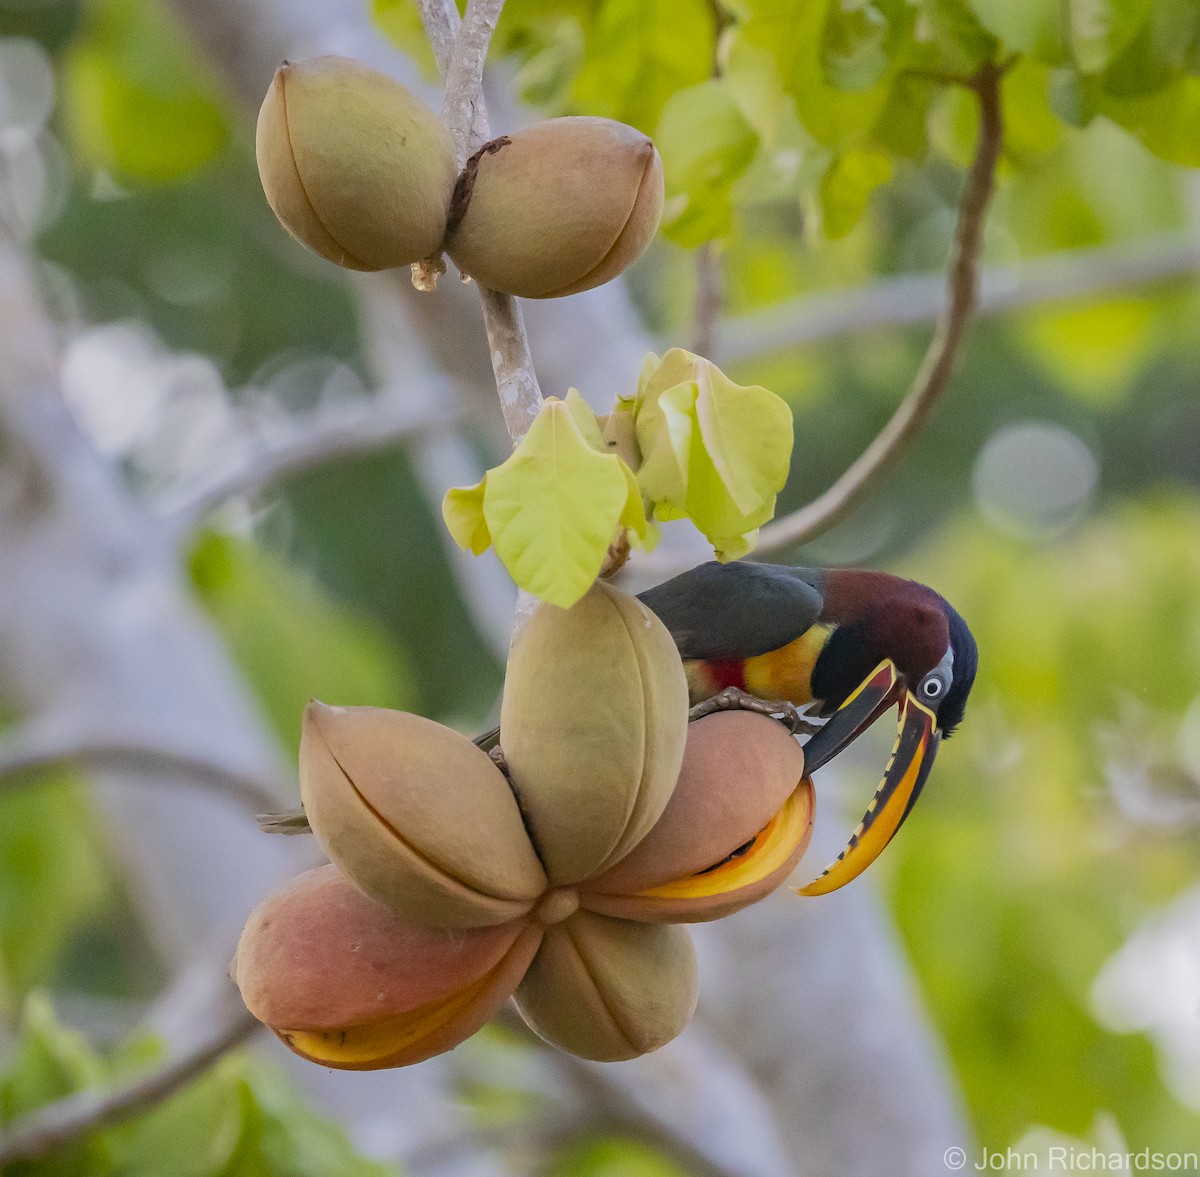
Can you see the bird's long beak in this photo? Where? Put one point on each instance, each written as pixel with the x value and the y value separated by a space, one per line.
pixel 917 741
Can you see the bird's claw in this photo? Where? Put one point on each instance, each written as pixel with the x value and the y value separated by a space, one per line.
pixel 735 699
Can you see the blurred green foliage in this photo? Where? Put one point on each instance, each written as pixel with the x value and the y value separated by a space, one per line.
pixel 614 1157
pixel 292 641
pixel 53 23
pixel 135 99
pixel 55 880
pixel 240 1119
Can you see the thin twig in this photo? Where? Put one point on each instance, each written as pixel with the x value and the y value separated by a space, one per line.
pixel 326 439
pixel 913 299
pixel 934 373
pixel 44 1130
pixel 707 306
pixel 464 79
pixel 24 757
pixel 512 362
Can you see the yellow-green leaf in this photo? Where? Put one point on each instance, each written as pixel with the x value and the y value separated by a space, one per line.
pixel 747 433
pixel 847 186
pixel 706 145
pixel 135 98
pixel 753 83
pixel 735 547
pixel 619 435
pixel 664 429
pixel 633 515
pixel 712 450
pixel 585 419
pixel 462 509
pixel 712 509
pixel 639 53
pixel 553 506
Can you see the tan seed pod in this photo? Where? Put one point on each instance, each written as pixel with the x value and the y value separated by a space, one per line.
pixel 609 989
pixel 557 208
pixel 737 824
pixel 593 724
pixel 417 816
pixel 354 165
pixel 347 984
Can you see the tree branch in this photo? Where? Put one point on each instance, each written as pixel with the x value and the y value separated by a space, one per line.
pixel 25 755
pixel 707 307
pixel 912 299
pixel 463 111
pixel 44 1130
pixel 325 438
pixel 933 376
pixel 466 119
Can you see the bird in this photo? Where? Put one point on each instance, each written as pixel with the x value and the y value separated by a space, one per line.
pixel 839 644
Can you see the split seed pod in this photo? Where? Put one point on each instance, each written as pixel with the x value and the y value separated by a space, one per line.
pixel 354 165
pixel 609 989
pixel 737 824
pixel 593 725
pixel 417 816
pixel 347 984
pixel 557 208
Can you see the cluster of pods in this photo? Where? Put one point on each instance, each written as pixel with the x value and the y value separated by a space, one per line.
pixel 361 171
pixel 557 874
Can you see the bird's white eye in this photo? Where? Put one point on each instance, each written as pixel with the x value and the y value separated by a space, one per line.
pixel 937 682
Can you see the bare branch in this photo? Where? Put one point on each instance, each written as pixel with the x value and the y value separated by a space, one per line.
pixel 512 363
pixel 464 78
pixel 708 300
pixel 57 1123
pixel 442 26
pixel 326 438
pixel 912 299
pixel 934 373
pixel 27 754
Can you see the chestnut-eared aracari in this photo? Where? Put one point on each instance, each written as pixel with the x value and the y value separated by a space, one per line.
pixel 844 643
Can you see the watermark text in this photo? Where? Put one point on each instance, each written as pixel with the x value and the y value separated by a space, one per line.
pixel 1071 1159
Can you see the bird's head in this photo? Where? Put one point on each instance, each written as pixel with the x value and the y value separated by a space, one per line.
pixel 895 643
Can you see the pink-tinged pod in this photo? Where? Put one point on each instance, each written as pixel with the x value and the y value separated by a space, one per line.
pixel 347 984
pixel 737 824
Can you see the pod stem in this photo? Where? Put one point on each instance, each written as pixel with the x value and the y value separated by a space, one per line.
pixel 933 376
pixel 460 46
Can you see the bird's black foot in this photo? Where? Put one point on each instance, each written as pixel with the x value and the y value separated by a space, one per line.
pixel 735 699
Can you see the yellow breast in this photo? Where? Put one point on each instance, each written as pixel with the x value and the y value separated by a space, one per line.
pixel 786 673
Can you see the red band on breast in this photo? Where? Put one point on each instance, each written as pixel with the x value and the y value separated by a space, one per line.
pixel 727 673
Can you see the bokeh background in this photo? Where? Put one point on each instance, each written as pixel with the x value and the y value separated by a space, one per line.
pixel 238 510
